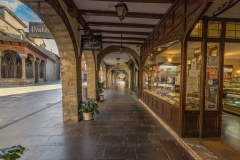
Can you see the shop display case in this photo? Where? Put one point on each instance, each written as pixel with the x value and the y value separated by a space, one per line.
pixel 165 83
pixel 231 95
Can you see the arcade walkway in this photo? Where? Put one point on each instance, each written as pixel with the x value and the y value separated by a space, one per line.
pixel 117 133
pixel 125 129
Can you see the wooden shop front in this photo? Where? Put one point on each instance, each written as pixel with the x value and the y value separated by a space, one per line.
pixel 183 66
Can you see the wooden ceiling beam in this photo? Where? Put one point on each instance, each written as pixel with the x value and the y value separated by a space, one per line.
pixel 114 42
pixel 114 14
pixel 121 32
pixel 128 25
pixel 125 38
pixel 140 1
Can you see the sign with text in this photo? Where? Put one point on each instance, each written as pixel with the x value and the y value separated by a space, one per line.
pixel 39 30
pixel 90 42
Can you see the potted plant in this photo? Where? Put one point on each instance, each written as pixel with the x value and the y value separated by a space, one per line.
pixel 12 153
pixel 100 87
pixel 88 107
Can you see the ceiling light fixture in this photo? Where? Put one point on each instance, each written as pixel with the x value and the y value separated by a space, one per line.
pixel 121 9
pixel 170 59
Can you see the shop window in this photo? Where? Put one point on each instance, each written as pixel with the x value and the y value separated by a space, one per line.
pixel 232 30
pixel 194 61
pixel 214 29
pixel 211 86
pixel 231 83
pixel 197 30
pixel 163 80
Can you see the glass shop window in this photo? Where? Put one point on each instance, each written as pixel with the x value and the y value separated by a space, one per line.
pixel 232 30
pixel 212 67
pixel 214 29
pixel 197 30
pixel 194 61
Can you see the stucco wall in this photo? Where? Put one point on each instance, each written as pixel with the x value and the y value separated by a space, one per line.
pixel 52 70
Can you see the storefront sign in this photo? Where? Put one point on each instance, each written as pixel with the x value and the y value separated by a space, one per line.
pixel 39 30
pixel 89 42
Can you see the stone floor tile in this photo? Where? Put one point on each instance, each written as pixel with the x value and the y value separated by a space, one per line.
pixel 141 129
pixel 111 139
pixel 35 141
pixel 59 153
pixel 89 152
pixel 151 152
pixel 119 152
pixel 136 138
pixel 34 153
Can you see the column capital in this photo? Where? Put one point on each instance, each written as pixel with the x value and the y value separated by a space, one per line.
pixel 38 61
pixel 23 56
pixel 33 59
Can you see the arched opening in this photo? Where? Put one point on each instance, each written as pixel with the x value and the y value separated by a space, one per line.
pixel 90 73
pixel 62 28
pixel 8 64
pixel 114 71
pixel 29 66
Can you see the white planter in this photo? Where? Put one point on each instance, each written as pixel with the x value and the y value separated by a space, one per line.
pixel 101 98
pixel 87 116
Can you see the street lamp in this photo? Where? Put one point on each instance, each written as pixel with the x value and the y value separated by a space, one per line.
pixel 121 9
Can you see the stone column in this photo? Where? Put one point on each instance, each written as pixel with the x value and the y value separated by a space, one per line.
pixel 44 71
pixel 38 70
pixel 23 57
pixel 33 66
pixel 1 65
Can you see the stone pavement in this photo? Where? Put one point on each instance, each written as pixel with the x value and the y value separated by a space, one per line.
pixel 19 101
pixel 125 129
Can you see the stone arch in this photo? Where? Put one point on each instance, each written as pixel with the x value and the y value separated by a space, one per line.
pixel 125 68
pixel 104 70
pixel 8 63
pixel 54 17
pixel 118 67
pixel 114 48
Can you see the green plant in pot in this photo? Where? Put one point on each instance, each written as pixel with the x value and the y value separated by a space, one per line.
pixel 100 87
pixel 88 107
pixel 12 153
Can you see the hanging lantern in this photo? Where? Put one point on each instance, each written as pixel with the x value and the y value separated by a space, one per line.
pixel 121 9
pixel 121 49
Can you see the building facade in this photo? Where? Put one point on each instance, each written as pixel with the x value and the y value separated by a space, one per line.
pixel 23 60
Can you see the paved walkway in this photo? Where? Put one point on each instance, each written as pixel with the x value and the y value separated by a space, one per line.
pixel 123 130
pixel 17 102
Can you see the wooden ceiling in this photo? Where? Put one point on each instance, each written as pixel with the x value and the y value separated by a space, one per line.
pixel 101 18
